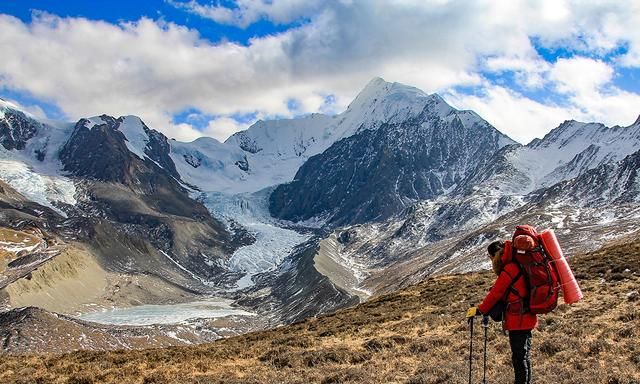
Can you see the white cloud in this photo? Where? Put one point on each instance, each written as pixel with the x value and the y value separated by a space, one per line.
pixel 555 10
pixel 604 26
pixel 32 109
pixel 223 127
pixel 156 69
pixel 247 12
pixel 181 131
pixel 587 85
pixel 530 71
pixel 219 14
pixel 517 116
pixel 580 75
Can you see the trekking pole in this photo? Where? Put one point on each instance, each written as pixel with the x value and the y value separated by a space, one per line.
pixel 470 345
pixel 485 325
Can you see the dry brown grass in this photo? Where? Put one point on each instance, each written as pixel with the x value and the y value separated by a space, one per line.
pixel 11 239
pixel 17 237
pixel 415 336
pixel 14 245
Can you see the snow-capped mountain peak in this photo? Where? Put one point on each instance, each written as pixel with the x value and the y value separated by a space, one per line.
pixel 378 90
pixel 383 102
pixel 5 104
pixel 97 121
pixel 212 165
pixel 132 127
pixel 29 156
pixel 286 144
pixel 566 152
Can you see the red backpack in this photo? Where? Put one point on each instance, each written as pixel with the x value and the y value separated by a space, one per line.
pixel 538 270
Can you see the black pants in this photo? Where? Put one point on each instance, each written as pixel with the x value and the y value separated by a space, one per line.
pixel 520 342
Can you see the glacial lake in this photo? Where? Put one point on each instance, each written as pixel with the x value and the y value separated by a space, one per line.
pixel 148 314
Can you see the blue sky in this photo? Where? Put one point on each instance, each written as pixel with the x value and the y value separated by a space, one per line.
pixel 193 68
pixel 119 10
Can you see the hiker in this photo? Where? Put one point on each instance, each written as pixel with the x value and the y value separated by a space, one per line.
pixel 508 294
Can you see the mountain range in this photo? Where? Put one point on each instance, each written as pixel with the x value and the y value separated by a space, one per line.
pixel 291 218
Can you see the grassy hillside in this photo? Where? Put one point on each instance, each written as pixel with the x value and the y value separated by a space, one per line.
pixel 417 335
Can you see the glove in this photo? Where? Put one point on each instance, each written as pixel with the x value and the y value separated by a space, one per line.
pixel 473 311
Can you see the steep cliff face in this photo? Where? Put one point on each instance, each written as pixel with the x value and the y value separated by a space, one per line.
pixel 131 191
pixel 125 151
pixel 98 151
pixel 15 128
pixel 118 150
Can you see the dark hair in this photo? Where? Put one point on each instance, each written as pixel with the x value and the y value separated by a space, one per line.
pixel 495 247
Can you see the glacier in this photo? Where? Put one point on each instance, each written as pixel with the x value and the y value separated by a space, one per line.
pixel 274 240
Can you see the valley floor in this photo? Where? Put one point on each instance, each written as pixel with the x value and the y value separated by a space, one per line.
pixel 416 335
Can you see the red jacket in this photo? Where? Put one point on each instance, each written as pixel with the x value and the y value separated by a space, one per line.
pixel 510 276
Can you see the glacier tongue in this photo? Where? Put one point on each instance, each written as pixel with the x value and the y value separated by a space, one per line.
pixel 39 188
pixel 273 242
pixel 35 171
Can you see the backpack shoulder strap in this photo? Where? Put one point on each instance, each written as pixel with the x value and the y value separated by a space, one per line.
pixel 514 277
pixel 525 298
pixel 509 271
